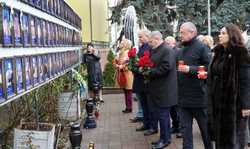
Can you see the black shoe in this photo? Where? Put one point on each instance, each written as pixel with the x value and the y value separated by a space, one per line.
pixel 179 135
pixel 127 111
pixel 175 130
pixel 160 145
pixel 155 142
pixel 142 128
pixel 136 119
pixel 150 132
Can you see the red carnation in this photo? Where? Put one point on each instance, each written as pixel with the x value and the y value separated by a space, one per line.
pixel 132 52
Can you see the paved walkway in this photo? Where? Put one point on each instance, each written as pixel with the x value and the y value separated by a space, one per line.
pixel 114 131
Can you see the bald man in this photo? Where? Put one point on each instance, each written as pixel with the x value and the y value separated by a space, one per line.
pixel 162 87
pixel 192 93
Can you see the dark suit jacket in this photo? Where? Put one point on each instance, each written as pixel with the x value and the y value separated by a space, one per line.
pixel 138 83
pixel 163 77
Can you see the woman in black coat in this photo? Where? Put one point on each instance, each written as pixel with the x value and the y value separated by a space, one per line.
pixel 229 90
pixel 92 60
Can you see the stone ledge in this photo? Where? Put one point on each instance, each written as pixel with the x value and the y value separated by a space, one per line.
pixel 111 90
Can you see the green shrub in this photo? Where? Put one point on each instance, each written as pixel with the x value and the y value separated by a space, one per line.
pixel 109 71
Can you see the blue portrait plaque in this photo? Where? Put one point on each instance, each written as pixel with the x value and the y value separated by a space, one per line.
pixel 9 75
pixel 35 70
pixel 32 30
pixel 27 73
pixel 40 68
pixel 38 32
pixel 25 30
pixel 7 39
pixel 19 75
pixel 17 28
pixel 44 33
pixel 1 84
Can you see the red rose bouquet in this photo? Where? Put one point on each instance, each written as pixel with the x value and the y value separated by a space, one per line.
pixel 145 64
pixel 133 58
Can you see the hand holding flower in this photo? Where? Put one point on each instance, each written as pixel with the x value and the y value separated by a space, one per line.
pixel 183 68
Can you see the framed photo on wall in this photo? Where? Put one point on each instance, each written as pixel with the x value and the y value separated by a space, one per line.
pixel 34 70
pixel 40 68
pixel 9 77
pixel 6 25
pixel 44 33
pixel 48 33
pixel 19 74
pixel 28 76
pixel 17 29
pixel 25 30
pixel 46 73
pixel 38 31
pixel 2 99
pixel 32 30
pixel 44 5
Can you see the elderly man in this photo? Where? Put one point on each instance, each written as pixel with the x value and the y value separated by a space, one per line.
pixel 139 88
pixel 174 111
pixel 162 87
pixel 192 96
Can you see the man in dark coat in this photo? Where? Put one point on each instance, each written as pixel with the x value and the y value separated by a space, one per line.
pixel 92 60
pixel 139 87
pixel 192 96
pixel 162 86
pixel 174 111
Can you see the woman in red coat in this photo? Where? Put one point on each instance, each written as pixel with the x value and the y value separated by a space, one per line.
pixel 124 77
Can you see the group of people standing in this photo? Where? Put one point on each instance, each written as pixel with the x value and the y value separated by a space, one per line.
pixel 219 102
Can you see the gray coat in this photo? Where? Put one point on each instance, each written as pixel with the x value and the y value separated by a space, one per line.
pixel 163 78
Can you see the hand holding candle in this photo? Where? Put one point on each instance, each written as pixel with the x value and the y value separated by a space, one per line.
pixel 202 74
pixel 182 67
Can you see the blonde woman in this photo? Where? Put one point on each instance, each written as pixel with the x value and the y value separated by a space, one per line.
pixel 124 77
pixel 208 40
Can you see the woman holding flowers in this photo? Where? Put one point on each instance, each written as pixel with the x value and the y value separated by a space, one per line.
pixel 124 77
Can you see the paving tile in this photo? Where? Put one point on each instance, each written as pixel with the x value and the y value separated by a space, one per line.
pixel 114 131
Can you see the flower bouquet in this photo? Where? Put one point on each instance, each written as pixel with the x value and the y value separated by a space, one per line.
pixel 145 65
pixel 133 58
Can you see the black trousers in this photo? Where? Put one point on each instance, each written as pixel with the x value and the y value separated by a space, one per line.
pixel 175 116
pixel 187 116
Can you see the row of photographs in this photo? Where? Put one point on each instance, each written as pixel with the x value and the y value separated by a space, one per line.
pixel 19 74
pixel 57 8
pixel 25 30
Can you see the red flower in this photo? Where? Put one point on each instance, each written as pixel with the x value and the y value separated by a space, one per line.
pixel 145 64
pixel 132 52
pixel 145 60
pixel 146 53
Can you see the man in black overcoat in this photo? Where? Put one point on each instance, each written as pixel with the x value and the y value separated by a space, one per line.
pixel 162 86
pixel 192 90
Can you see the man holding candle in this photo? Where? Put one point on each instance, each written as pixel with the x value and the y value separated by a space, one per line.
pixel 192 93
